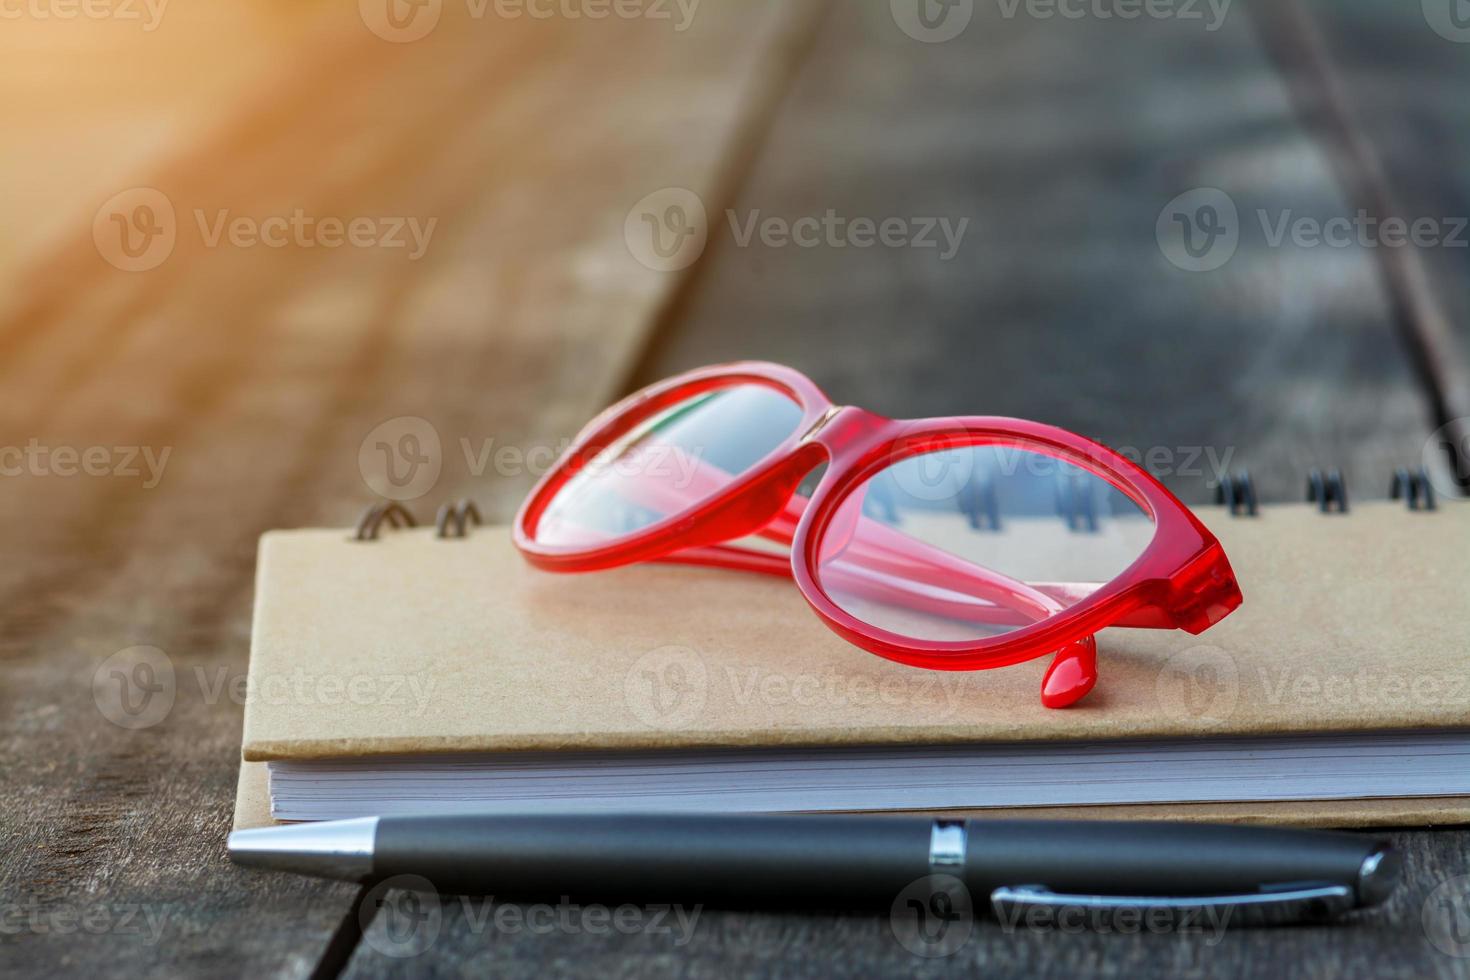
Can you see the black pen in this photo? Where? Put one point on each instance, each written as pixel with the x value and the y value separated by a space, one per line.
pixel 1258 875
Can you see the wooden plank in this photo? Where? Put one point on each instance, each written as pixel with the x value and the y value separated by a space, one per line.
pixel 1383 82
pixel 261 372
pixel 102 93
pixel 1062 142
pixel 1060 306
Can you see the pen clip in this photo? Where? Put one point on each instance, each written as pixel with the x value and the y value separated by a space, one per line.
pixel 1277 906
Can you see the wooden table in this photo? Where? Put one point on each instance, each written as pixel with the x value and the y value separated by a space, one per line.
pixel 260 371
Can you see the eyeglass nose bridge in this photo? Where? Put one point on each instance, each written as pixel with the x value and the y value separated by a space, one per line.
pixel 843 427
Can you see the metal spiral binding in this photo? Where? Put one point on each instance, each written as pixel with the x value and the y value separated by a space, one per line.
pixel 394 515
pixel 1327 491
pixel 1238 493
pixel 1075 503
pixel 977 500
pixel 453 518
pixel 1414 487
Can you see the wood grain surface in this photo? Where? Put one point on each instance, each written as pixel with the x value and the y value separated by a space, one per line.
pixel 96 99
pixel 1398 71
pixel 1062 142
pixel 262 373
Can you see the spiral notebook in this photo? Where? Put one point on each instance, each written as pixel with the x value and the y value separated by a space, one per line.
pixel 398 669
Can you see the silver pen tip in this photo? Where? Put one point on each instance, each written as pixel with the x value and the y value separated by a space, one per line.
pixel 341 849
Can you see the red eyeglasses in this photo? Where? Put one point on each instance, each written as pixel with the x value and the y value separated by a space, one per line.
pixel 950 543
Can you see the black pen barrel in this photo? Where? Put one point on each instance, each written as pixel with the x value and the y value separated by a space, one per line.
pixel 834 861
pixel 831 861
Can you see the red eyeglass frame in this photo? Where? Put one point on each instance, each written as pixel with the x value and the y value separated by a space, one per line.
pixel 1182 579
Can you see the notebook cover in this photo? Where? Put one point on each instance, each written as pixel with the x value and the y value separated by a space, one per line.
pixel 410 644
